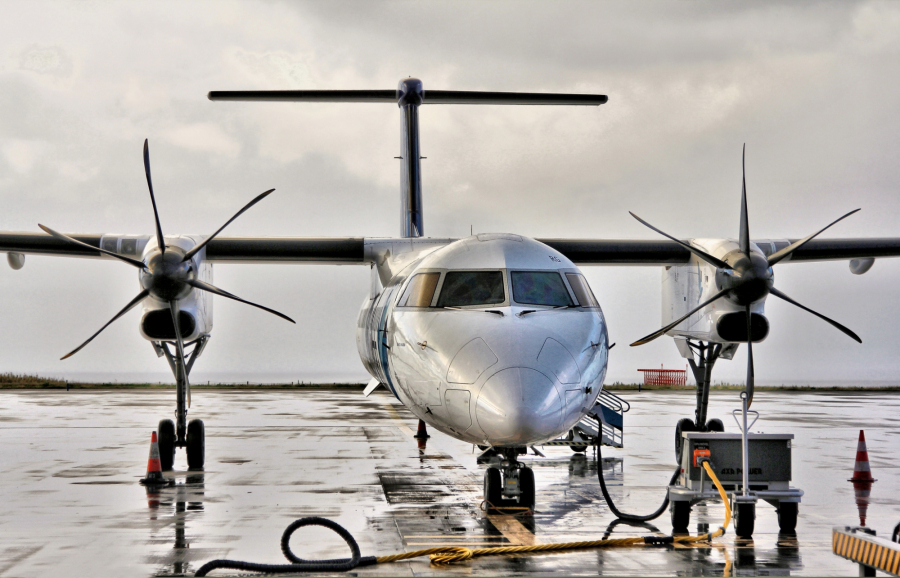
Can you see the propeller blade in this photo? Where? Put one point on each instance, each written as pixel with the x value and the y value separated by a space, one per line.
pixel 159 234
pixel 662 331
pixel 197 284
pixel 179 344
pixel 702 254
pixel 197 248
pixel 62 237
pixel 745 221
pixel 837 325
pixel 776 257
pixel 750 375
pixel 129 307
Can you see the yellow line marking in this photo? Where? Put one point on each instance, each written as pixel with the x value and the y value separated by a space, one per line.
pixel 396 417
pixel 513 530
pixel 443 537
pixel 487 544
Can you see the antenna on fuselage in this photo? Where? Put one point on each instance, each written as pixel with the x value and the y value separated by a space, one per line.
pixel 408 96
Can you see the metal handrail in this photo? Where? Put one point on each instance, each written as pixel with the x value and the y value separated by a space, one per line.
pixel 614 401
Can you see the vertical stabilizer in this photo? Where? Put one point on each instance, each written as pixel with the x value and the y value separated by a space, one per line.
pixel 409 96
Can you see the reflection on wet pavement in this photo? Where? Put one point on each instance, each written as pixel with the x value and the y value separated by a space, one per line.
pixel 72 504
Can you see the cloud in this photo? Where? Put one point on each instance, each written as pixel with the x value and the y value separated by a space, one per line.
pixel 203 137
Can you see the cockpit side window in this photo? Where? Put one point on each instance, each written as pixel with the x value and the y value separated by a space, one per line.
pixel 465 288
pixel 582 290
pixel 540 288
pixel 420 290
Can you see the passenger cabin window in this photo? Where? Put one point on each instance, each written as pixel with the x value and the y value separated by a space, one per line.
pixel 540 288
pixel 420 290
pixel 582 290
pixel 465 288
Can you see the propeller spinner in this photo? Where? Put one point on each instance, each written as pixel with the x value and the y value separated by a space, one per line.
pixel 166 273
pixel 745 277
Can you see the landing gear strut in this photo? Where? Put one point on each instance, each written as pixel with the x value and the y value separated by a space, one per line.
pixel 180 433
pixel 707 354
pixel 509 486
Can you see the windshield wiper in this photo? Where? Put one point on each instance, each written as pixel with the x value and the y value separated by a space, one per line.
pixel 494 311
pixel 527 311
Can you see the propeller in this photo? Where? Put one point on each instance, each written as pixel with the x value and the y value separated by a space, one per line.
pixel 166 273
pixel 745 277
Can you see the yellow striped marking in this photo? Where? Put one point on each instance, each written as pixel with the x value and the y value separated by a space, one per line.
pixel 866 552
pixel 513 530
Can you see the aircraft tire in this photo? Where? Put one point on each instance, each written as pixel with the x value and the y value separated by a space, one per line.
pixel 166 441
pixel 493 488
pixel 527 488
pixel 715 425
pixel 576 449
pixel 196 441
pixel 683 425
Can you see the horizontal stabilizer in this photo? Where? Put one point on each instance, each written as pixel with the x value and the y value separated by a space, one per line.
pixel 392 96
pixel 307 95
pixel 478 97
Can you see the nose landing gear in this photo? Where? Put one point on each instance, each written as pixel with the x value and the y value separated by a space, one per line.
pixel 510 486
pixel 181 434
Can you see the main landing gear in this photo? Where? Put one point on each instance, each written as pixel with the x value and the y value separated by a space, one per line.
pixel 510 486
pixel 180 433
pixel 707 353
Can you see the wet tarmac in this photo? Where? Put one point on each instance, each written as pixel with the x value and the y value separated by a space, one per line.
pixel 71 502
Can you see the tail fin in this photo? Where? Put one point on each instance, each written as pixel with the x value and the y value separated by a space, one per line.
pixel 408 96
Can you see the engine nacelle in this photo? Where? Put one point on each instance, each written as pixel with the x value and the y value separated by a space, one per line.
pixel 195 310
pixel 684 287
pixel 15 260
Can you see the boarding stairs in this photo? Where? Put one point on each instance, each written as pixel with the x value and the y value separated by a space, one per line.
pixel 609 410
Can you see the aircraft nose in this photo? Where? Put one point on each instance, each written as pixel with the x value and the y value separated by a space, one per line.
pixel 519 406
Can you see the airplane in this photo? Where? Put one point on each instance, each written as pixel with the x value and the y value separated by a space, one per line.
pixel 495 339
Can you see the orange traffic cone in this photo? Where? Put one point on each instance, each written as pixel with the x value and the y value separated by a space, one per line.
pixel 862 479
pixel 154 469
pixel 861 471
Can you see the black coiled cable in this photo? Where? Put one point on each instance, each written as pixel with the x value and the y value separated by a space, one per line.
pixel 612 507
pixel 299 564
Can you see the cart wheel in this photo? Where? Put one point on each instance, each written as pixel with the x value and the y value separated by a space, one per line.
pixel 787 516
pixel 744 518
pixel 683 425
pixel 681 517
pixel 715 425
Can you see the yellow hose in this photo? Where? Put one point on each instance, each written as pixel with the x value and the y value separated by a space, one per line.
pixel 451 554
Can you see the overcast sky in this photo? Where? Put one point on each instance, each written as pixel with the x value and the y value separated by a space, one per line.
pixel 812 88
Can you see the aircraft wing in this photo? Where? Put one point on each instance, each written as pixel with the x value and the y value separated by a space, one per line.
pixel 348 250
pixel 634 252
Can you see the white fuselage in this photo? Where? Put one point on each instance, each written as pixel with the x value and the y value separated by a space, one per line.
pixel 506 372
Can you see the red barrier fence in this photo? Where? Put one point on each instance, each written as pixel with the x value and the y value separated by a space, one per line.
pixel 664 376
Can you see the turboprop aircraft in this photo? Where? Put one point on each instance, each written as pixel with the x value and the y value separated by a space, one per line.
pixel 494 339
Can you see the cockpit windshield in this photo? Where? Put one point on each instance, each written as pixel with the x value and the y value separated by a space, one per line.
pixel 467 288
pixel 540 288
pixel 582 290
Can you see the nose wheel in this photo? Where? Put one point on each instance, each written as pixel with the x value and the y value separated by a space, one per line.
pixel 509 487
pixel 180 433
